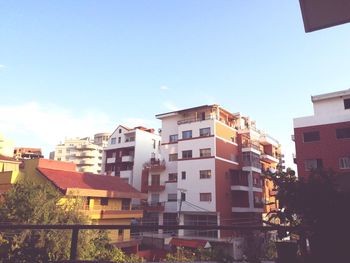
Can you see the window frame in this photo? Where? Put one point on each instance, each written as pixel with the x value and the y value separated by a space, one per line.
pixel 205 197
pixel 187 154
pixel 173 138
pixel 173 159
pixel 346 103
pixel 189 134
pixel 205 174
pixel 201 134
pixel 340 133
pixel 208 154
pixel 342 162
pixel 312 139
pixel 172 199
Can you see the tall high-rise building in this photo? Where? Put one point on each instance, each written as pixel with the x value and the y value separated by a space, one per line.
pixel 322 141
pixel 210 170
pixel 84 152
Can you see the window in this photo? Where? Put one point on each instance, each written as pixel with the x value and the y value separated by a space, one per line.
pixel 187 154
pixel 155 179
pixel 125 204
pixel 202 116
pixel 205 197
pixel 172 197
pixel 113 140
pixel 104 201
pixel 205 152
pixel 204 132
pixel 120 130
pixel 344 163
pixel 205 174
pixel 183 197
pixel 343 133
pixel 313 164
pixel 154 143
pixel 347 104
pixel 183 175
pixel 154 199
pixel 173 138
pixel 172 157
pixel 119 139
pixel 60 151
pixel 87 203
pixel 311 136
pixel 186 134
pixel 172 177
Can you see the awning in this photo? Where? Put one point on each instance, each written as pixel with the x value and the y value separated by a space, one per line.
pixel 191 243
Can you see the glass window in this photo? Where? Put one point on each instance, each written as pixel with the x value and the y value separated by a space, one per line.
pixel 183 175
pixel 104 201
pixel 343 133
pixel 204 132
pixel 172 177
pixel 186 134
pixel 173 138
pixel 347 104
pixel 205 174
pixel 344 163
pixel 119 139
pixel 172 197
pixel 183 196
pixel 205 197
pixel 205 152
pixel 311 136
pixel 113 140
pixel 187 154
pixel 313 164
pixel 172 157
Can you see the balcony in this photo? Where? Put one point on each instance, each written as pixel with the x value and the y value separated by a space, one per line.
pixel 269 158
pixel 250 144
pixel 154 207
pixel 127 158
pixel 155 165
pixel 268 140
pixel 155 188
pixel 111 160
pixel 190 120
pixel 86 162
pixel 102 212
pixel 126 174
pixel 86 147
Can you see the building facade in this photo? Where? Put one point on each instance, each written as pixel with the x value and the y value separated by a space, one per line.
pixel 209 171
pixel 6 146
pixel 322 141
pixel 103 199
pixel 9 171
pixel 84 152
pixel 128 150
pixel 22 153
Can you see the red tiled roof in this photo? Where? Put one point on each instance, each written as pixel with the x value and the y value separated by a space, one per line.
pixel 191 243
pixel 57 165
pixel 7 158
pixel 71 179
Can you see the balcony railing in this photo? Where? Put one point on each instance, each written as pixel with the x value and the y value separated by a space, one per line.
pixel 155 165
pixel 251 144
pixel 154 207
pixel 190 120
pixel 155 188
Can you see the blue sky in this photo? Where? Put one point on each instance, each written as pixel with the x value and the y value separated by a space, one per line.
pixel 72 68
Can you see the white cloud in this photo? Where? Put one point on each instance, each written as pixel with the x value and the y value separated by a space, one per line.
pixel 163 87
pixel 34 125
pixel 170 106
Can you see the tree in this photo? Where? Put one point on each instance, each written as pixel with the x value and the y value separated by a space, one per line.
pixel 318 204
pixel 29 203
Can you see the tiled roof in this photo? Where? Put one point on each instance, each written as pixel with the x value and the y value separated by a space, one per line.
pixel 69 179
pixel 57 165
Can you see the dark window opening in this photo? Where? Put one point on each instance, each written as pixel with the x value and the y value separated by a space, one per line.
pixel 343 133
pixel 311 136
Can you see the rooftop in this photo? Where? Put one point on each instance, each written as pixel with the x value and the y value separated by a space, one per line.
pixel 330 95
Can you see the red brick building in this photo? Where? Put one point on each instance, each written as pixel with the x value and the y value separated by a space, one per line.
pixel 322 141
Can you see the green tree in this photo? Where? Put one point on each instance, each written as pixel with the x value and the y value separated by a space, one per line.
pixel 29 203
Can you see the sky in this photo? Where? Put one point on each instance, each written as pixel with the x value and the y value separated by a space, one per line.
pixel 75 68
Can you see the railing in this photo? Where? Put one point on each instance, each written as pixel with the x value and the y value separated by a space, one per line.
pixel 251 144
pixel 190 120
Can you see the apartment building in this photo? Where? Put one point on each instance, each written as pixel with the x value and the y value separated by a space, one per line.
pixel 127 151
pixel 209 171
pixel 322 141
pixel 6 146
pixel 84 152
pixel 9 171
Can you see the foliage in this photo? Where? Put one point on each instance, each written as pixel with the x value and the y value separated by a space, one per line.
pixel 319 204
pixel 29 203
pixel 181 255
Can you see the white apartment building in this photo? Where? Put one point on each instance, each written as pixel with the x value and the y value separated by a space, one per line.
pixel 84 152
pixel 128 150
pixel 209 171
pixel 6 146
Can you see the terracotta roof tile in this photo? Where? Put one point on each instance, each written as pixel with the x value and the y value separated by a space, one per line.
pixel 7 158
pixel 71 179
pixel 191 243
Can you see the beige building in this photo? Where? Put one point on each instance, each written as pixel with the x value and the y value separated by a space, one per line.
pixel 84 152
pixel 6 146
